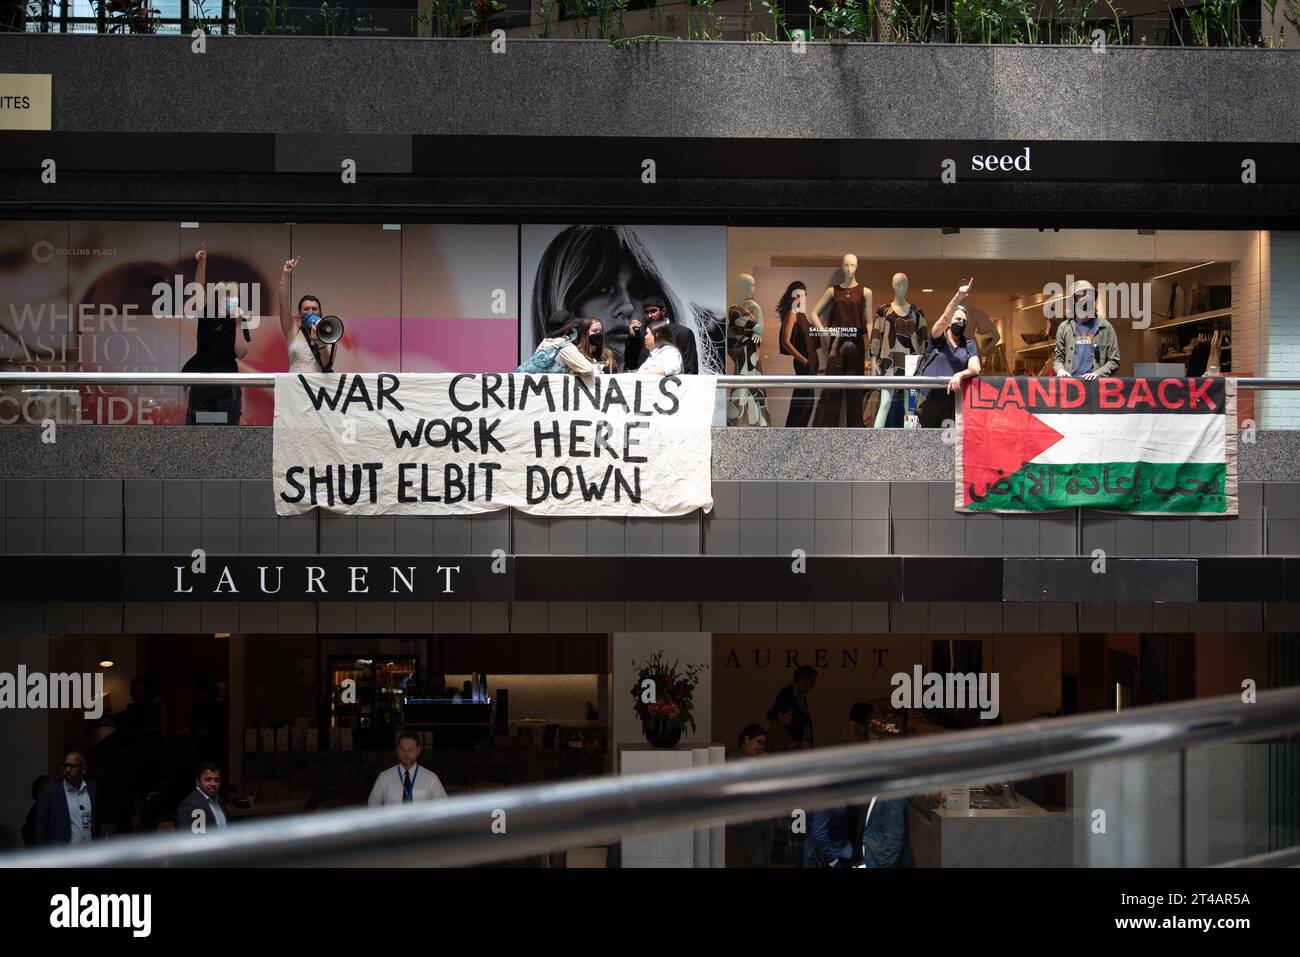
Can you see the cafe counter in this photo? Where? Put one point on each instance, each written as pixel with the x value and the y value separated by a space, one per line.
pixel 1023 835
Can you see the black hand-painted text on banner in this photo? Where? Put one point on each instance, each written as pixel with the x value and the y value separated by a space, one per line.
pixel 384 444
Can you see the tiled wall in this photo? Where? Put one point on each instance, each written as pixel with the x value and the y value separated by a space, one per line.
pixel 603 617
pixel 175 516
pixel 749 518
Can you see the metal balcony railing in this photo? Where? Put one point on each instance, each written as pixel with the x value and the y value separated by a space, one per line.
pixel 545 818
pixel 266 380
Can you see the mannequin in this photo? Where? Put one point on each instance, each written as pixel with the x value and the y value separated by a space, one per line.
pixel 897 332
pixel 800 342
pixel 1177 301
pixel 744 337
pixel 989 340
pixel 844 311
pixel 981 327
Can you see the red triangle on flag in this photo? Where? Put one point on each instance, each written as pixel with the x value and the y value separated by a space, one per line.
pixel 997 442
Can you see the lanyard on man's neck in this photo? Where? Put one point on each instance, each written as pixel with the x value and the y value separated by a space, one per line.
pixel 408 790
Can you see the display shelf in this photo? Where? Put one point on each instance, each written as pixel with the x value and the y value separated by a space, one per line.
pixel 1189 320
pixel 1039 347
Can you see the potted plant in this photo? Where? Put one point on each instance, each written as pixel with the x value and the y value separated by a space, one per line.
pixel 664 696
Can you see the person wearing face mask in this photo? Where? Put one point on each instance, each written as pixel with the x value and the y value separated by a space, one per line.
pixel 591 343
pixel 1086 344
pixel 951 354
pixel 218 348
pixel 570 350
pixel 303 345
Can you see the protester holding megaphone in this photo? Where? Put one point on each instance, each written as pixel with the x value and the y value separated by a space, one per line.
pixel 307 330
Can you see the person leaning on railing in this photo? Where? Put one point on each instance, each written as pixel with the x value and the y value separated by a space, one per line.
pixel 1086 344
pixel 665 358
pixel 948 353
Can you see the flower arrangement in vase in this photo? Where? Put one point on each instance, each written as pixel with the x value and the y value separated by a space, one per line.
pixel 664 697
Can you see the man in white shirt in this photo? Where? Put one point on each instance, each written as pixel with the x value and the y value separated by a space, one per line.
pixel 202 810
pixel 406 781
pixel 68 812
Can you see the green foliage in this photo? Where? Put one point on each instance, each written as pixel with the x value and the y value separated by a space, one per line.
pixel 128 16
pixel 777 13
pixel 211 24
pixel 1208 23
pixel 329 18
pixel 446 18
pixel 709 24
pixel 844 21
pixel 1226 18
pixel 277 18
pixel 901 24
pixel 579 13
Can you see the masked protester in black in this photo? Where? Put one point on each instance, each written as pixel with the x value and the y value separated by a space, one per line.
pixel 221 341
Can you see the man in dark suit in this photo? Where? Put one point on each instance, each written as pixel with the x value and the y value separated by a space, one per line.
pixel 67 812
pixel 202 810
pixel 635 352
pixel 794 696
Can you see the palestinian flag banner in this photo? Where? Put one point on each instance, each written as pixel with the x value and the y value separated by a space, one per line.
pixel 1140 446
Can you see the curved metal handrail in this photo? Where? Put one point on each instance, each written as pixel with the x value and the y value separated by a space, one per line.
pixel 553 817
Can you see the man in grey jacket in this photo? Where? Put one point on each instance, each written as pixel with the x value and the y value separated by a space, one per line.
pixel 1086 344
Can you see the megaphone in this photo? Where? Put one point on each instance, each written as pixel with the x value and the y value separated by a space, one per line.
pixel 329 329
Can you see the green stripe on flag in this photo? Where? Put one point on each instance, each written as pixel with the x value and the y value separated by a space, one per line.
pixel 1175 488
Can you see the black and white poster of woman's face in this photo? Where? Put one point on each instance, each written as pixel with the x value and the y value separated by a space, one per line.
pixel 607 272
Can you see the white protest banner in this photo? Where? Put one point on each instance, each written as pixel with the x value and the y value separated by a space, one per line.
pixel 412 444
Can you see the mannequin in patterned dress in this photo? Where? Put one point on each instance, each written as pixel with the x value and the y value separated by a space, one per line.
pixel 744 338
pixel 897 331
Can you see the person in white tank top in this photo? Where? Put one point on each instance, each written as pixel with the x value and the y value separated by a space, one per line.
pixel 301 358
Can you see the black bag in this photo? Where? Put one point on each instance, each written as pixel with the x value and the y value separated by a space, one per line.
pixel 931 350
